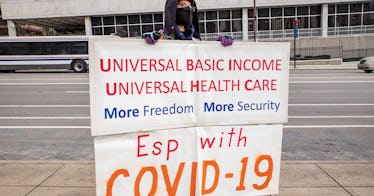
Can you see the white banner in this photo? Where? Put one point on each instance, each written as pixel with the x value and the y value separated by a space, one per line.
pixel 220 160
pixel 174 84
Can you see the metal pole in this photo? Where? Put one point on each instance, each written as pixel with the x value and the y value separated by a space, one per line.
pixel 254 20
pixel 295 35
pixel 294 51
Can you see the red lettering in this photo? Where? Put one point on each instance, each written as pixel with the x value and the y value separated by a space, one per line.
pixel 189 64
pixel 170 148
pixel 156 147
pixel 141 146
pixel 114 89
pixel 102 65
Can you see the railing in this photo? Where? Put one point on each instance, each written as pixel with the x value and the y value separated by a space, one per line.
pixel 213 36
pixel 285 33
pixel 331 52
pixel 350 30
pixel 356 54
pixel 318 52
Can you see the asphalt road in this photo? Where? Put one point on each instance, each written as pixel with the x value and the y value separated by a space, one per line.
pixel 45 116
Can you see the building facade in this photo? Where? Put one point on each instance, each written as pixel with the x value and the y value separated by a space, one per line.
pixel 3 25
pixel 274 18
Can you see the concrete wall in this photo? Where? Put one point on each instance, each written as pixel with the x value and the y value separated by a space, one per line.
pixel 27 9
pixel 352 46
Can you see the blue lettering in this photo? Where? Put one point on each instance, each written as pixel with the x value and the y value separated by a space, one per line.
pixel 213 107
pixel 115 113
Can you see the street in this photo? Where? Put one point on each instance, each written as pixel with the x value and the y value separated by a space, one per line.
pixel 46 116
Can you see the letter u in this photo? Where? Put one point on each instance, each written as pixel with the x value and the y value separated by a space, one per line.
pixel 102 65
pixel 114 89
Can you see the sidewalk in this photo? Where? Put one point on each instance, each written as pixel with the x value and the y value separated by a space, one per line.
pixel 344 65
pixel 51 178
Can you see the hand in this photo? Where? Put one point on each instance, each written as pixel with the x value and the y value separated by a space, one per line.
pixel 152 37
pixel 226 40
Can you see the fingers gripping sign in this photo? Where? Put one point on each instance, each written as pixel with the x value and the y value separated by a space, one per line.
pixel 152 37
pixel 226 40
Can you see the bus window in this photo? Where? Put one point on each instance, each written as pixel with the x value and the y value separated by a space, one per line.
pixel 35 48
pixel 44 53
pixel 62 48
pixel 4 49
pixel 79 48
pixel 17 48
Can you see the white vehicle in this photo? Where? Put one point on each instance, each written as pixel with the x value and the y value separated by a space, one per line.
pixel 47 52
pixel 366 64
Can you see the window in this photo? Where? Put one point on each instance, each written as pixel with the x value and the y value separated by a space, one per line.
pixel 96 21
pixel 224 14
pixel 250 13
pixel 289 11
pixel 341 20
pixel 288 23
pixel 250 25
pixel 108 20
pixel 263 12
pixel 355 7
pixel 158 18
pixel 263 24
pixel 224 26
pixel 134 19
pixel 331 21
pixel 368 19
pixel 355 19
pixel 236 14
pixel 342 8
pixel 351 15
pixel 44 48
pixel 211 27
pixel 276 24
pixel 331 9
pixel 279 21
pixel 79 48
pixel 213 22
pixel 302 11
pixel 147 28
pixel 315 22
pixel 97 30
pixel 127 25
pixel 147 18
pixel 134 31
pixel 121 20
pixel 201 16
pixel 276 12
pixel 211 15
pixel 62 48
pixel 3 22
pixel 202 27
pixel 109 30
pixel 237 26
pixel 315 10
pixel 368 7
pixel 303 22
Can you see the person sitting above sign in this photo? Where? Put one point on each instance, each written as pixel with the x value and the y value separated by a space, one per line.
pixel 182 23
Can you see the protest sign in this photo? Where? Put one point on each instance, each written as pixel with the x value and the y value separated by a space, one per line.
pixel 174 84
pixel 218 160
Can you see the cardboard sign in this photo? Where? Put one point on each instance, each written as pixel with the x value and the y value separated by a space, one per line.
pixel 173 84
pixel 219 160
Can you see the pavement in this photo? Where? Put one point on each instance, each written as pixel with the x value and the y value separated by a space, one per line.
pixel 52 178
pixel 344 66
